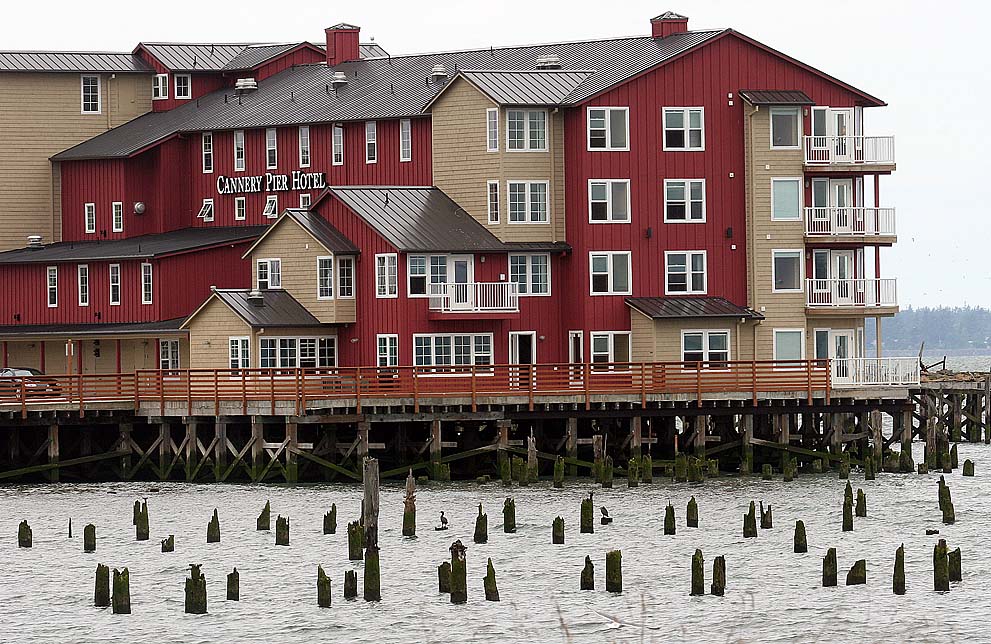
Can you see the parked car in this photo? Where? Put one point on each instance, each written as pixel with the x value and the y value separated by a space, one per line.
pixel 36 384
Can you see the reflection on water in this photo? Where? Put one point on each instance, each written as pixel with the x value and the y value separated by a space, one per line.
pixel 772 595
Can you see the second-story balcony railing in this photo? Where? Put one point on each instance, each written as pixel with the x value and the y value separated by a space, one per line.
pixel 851 293
pixel 849 150
pixel 849 222
pixel 874 372
pixel 475 297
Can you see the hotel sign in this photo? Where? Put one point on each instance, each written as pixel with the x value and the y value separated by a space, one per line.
pixel 269 182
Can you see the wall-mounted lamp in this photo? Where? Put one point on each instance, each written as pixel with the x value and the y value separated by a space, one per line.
pixel 354 340
pixel 541 337
pixel 729 233
pixel 649 232
pixel 482 259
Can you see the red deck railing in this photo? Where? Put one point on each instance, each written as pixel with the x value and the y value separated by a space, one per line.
pixel 472 384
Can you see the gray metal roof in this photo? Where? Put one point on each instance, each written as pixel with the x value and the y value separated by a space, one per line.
pixel 527 86
pixel 380 88
pixel 418 219
pixel 71 61
pixel 371 50
pixel 254 55
pixel 660 308
pixel 194 57
pixel 317 227
pixel 776 97
pixel 140 247
pixel 278 308
pixel 550 246
pixel 75 330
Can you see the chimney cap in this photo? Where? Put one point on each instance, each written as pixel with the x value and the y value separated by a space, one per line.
pixel 669 15
pixel 256 298
pixel 34 242
pixel 343 26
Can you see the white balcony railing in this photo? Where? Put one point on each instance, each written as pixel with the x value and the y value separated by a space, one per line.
pixel 850 293
pixel 849 222
pixel 846 150
pixel 475 297
pixel 875 372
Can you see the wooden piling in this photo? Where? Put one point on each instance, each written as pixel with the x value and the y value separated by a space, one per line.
pixel 213 529
pixel 505 469
pixel 801 542
pixel 607 472
pixel 633 472
pixel 101 594
pixel 861 509
pixel 767 472
pixel 614 571
pixel 89 538
pixel 718 586
pixel 264 521
pixel 646 469
pixel 195 591
pixel 409 506
pixel 481 527
pixel 968 467
pixel 141 521
pixel 669 521
pixel 695 474
pixel 370 518
pixel 691 514
pixel 354 541
pixel 598 456
pixel 168 544
pixel 766 519
pixel 941 571
pixel 531 459
pixel 870 471
pixel 459 573
pixel 234 586
pixel 954 565
pixel 750 522
pixel 70 527
pixel 489 583
pixel 898 578
pixel 519 471
pixel 829 568
pixel 557 531
pixel 559 472
pixel 954 457
pixel 25 536
pixel 847 516
pixel 587 515
pixel 330 520
pixel 698 573
pixel 588 575
pixel 282 531
pixel 857 574
pixel 350 584
pixel 681 468
pixel 444 577
pixel 509 516
pixel 121 598
pixel 323 588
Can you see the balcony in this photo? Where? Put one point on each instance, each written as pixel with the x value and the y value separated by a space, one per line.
pixel 851 224
pixel 874 372
pixel 842 296
pixel 849 152
pixel 478 299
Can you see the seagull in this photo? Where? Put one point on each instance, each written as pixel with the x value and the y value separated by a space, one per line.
pixel 604 512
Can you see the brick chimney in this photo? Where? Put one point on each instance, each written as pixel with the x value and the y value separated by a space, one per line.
pixel 666 24
pixel 342 43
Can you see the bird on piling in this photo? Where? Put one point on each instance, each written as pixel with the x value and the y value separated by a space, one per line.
pixel 443 521
pixel 604 511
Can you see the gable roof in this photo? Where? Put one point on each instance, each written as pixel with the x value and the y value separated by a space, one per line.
pixel 418 219
pixel 660 308
pixel 71 61
pixel 140 247
pixel 279 308
pixel 523 86
pixel 321 230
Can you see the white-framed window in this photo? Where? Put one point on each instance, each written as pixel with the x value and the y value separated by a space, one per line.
pixel 528 202
pixel 290 353
pixel 787 268
pixel 89 217
pixel 786 199
pixel 387 349
pixel 424 269
pixel 305 200
pixel 325 278
pixel 386 275
pixel 269 273
pixel 684 200
pixel 493 201
pixel 345 277
pixel 685 272
pixel 239 150
pixel 160 87
pixel 705 345
pixel 452 350
pixel 147 284
pixel 240 208
pixel 271 148
pixel 317 352
pixel 608 201
pixel 51 283
pixel 684 128
pixel 405 140
pixel 821 343
pixel 206 210
pixel 532 273
pixel 168 354
pixel 610 346
pixel 304 146
pixel 268 353
pixel 337 145
pixel 371 142
pixel 492 129
pixel 608 128
pixel 526 130
pixel 91 101
pixel 789 344
pixel 183 86
pixel 82 284
pixel 271 206
pixel 114 274
pixel 609 273
pixel 117 216
pixel 239 352
pixel 786 128
pixel 207 143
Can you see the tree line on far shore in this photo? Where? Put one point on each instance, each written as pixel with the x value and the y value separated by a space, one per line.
pixel 942 328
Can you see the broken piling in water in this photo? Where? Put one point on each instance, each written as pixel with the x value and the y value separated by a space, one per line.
pixel 234 586
pixel 459 573
pixel 101 594
pixel 195 591
pixel 264 521
pixel 444 577
pixel 941 567
pixel 646 469
pixel 509 516
pixel 89 538
pixel 801 542
pixel 213 529
pixel 750 522
pixel 898 578
pixel 766 519
pixel 857 574
pixel 350 584
pixel 141 521
pixel 489 583
pixel 323 588
pixel 968 467
pixel 354 541
pixel 614 571
pixel 829 568
pixel 669 523
pixel 953 565
pixel 587 515
pixel 557 531
pixel 633 472
pixel 330 520
pixel 409 506
pixel 588 575
pixel 25 537
pixel 121 597
pixel 847 516
pixel 698 573
pixel 168 544
pixel 559 472
pixel 607 472
pixel 691 514
pixel 861 510
pixel 481 527
pixel 282 531
pixel 718 586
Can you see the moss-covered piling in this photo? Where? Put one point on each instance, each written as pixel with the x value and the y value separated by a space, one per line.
pixel 588 575
pixel 691 513
pixel 767 472
pixel 557 531
pixel 718 586
pixel 354 541
pixel 698 573
pixel 801 542
pixel 857 574
pixel 941 567
pixel 213 529
pixel 559 472
pixel 750 522
pixel 614 571
pixel 323 588
pixel 766 519
pixel 459 573
pixel 444 577
pixel 509 516
pixel 89 538
pixel 681 468
pixel 481 527
pixel 489 583
pixel 633 472
pixel 861 509
pixel 953 565
pixel 954 457
pixel 646 469
pixel 120 600
pixel 505 469
pixel 870 470
pixel 587 515
pixel 234 586
pixel 829 568
pixel 519 470
pixel 669 522
pixel 372 588
pixel 282 531
pixel 195 591
pixel 25 536
pixel 101 593
pixel 350 584
pixel 607 472
pixel 847 516
pixel 945 463
pixel 695 474
pixel 264 520
pixel 898 578
pixel 330 520
pixel 968 467
pixel 141 521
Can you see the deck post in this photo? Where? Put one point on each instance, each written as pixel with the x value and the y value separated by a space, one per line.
pixel 906 436
pixel 53 452
pixel 503 427
pixel 435 444
pixel 956 415
pixel 636 437
pixel 364 427
pixel 164 447
pixel 292 467
pixel 784 437
pixel 571 443
pixel 877 437
pixel 192 447
pixel 257 447
pixel 124 444
pixel 220 449
pixel 701 427
pixel 747 450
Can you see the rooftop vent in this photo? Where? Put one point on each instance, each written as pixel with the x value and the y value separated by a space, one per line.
pixel 438 73
pixel 34 242
pixel 339 80
pixel 245 85
pixel 255 298
pixel 549 61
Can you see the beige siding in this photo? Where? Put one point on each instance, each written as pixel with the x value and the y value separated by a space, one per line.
pixel 462 166
pixel 298 252
pixel 642 344
pixel 40 115
pixel 210 332
pixel 99 355
pixel 660 340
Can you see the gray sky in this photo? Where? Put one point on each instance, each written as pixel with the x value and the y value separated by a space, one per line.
pixel 929 65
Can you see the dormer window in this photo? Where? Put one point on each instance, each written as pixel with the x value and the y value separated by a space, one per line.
pixel 183 86
pixel 160 87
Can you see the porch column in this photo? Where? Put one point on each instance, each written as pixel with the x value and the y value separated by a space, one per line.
pixel 41 361
pixel 636 437
pixel 118 356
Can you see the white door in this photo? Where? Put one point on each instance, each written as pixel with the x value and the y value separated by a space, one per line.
pixel 841 202
pixel 841 128
pixel 460 272
pixel 842 276
pixel 842 347
pixel 576 355
pixel 522 351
